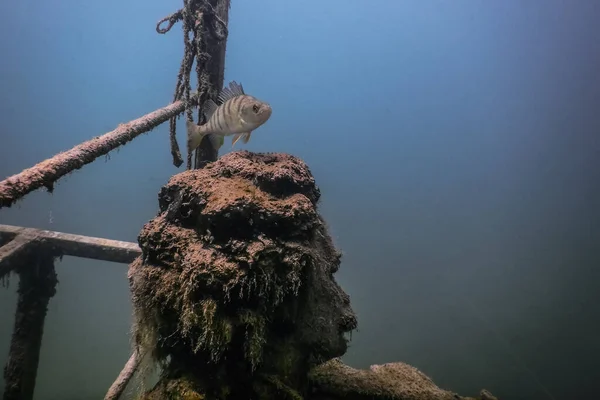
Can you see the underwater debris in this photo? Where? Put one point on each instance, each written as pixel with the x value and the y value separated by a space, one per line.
pixel 234 290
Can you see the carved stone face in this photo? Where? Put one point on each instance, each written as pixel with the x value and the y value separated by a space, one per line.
pixel 325 316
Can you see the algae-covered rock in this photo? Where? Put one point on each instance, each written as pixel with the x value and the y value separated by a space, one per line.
pixel 234 292
pixel 334 380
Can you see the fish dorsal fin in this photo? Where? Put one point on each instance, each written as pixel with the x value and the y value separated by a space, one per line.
pixel 209 108
pixel 235 89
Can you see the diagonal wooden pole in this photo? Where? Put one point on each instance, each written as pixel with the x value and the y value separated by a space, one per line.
pixel 47 172
pixel 119 385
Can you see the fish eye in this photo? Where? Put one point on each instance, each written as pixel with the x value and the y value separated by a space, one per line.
pixel 255 108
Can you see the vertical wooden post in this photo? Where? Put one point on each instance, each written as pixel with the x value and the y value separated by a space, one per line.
pixel 37 284
pixel 206 153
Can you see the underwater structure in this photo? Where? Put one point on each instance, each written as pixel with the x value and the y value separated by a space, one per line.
pixel 232 283
pixel 234 292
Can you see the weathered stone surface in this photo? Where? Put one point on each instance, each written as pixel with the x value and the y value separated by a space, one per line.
pixel 334 380
pixel 236 277
pixel 235 292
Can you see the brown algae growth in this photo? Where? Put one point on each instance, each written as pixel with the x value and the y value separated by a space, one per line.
pixel 234 292
pixel 235 297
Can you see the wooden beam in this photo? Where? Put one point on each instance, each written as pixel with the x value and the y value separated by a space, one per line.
pixel 12 250
pixel 37 284
pixel 215 66
pixel 74 245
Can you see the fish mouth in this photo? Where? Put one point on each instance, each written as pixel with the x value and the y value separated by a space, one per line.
pixel 267 111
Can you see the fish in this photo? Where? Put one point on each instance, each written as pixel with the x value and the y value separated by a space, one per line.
pixel 238 114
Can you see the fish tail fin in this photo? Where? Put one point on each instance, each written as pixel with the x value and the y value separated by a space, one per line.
pixel 195 133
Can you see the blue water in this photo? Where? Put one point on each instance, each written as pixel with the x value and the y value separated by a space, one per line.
pixel 456 144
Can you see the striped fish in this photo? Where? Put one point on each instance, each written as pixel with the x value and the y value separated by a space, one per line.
pixel 238 114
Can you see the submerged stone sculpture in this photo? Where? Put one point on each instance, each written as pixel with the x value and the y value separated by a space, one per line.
pixel 234 294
